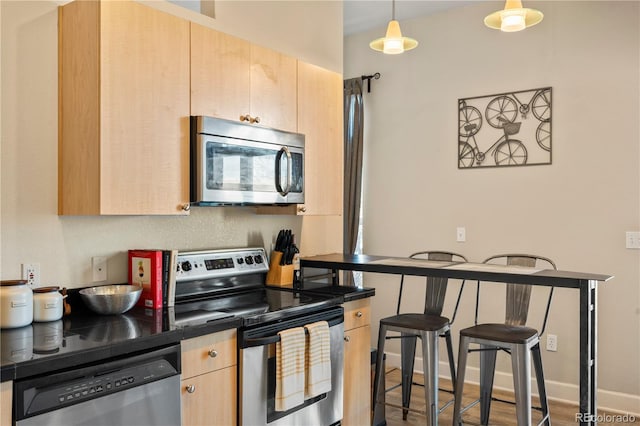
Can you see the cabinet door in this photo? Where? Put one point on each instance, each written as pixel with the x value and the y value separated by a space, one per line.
pixel 124 109
pixel 220 74
pixel 320 120
pixel 145 110
pixel 210 399
pixel 273 88
pixel 357 377
pixel 6 392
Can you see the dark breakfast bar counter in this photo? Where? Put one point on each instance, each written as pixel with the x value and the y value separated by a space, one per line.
pixel 586 285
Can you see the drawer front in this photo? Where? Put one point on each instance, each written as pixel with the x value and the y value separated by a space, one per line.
pixel 357 313
pixel 208 353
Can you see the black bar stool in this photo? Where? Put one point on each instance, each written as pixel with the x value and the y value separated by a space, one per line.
pixel 427 326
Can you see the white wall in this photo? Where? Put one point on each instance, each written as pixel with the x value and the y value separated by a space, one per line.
pixel 575 211
pixel 310 30
pixel 63 246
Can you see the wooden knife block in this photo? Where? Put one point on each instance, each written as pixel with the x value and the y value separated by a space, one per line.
pixel 279 275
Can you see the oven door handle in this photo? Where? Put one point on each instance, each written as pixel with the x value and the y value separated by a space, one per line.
pixel 268 340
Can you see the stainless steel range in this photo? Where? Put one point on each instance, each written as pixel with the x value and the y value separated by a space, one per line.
pixel 213 284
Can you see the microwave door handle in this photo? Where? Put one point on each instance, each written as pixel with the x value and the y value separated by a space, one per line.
pixel 283 191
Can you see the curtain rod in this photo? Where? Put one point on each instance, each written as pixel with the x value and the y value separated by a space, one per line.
pixel 368 78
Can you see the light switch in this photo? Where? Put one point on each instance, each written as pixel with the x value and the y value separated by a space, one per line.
pixel 633 240
pixel 461 234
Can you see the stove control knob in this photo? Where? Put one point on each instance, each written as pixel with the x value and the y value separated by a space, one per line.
pixel 257 258
pixel 249 260
pixel 186 266
pixel 240 261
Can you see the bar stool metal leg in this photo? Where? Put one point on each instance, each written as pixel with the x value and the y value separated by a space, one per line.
pixel 379 370
pixel 463 348
pixel 521 364
pixel 537 365
pixel 430 366
pixel 487 373
pixel 408 352
pixel 452 365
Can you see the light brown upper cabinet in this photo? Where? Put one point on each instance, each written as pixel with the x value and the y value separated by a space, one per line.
pixel 236 80
pixel 320 120
pixel 123 110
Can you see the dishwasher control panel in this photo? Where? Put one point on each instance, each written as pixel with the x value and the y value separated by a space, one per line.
pixel 84 390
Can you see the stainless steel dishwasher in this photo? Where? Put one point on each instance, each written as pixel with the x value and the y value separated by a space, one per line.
pixel 142 389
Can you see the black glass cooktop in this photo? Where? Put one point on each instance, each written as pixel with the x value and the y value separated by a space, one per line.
pixel 255 306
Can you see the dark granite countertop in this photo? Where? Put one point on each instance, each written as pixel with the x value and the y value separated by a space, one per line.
pixel 86 337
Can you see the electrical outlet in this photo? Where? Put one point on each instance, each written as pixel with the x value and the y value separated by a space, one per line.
pixel 99 268
pixel 461 234
pixel 552 342
pixel 31 273
pixel 632 240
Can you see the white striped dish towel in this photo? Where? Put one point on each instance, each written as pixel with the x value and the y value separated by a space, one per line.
pixel 318 359
pixel 290 359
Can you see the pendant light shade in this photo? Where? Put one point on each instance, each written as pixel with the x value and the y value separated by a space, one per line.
pixel 513 17
pixel 393 42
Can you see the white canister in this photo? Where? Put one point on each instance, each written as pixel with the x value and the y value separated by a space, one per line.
pixel 16 304
pixel 47 304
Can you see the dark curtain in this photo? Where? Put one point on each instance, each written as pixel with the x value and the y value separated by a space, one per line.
pixel 353 146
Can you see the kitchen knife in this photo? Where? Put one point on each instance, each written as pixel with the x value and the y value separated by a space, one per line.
pixel 283 259
pixel 280 240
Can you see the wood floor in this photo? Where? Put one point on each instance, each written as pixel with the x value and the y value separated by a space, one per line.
pixel 502 414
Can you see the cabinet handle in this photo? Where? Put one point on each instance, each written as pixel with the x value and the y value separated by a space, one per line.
pixel 254 120
pixel 302 209
pixel 245 117
pixel 191 389
pixel 186 207
pixel 213 353
pixel 359 314
pixel 347 338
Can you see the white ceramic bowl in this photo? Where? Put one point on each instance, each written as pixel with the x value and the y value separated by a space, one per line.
pixel 111 299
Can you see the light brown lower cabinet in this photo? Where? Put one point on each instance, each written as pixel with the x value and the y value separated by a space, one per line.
pixel 357 364
pixel 208 386
pixel 210 399
pixel 6 392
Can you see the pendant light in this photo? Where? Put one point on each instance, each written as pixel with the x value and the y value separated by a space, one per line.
pixel 393 43
pixel 513 17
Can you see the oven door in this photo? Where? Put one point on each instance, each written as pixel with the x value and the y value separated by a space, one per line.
pixel 258 376
pixel 237 171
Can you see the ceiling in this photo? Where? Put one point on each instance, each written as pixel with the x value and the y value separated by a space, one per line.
pixel 363 15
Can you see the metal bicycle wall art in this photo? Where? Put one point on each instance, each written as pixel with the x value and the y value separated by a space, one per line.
pixel 507 129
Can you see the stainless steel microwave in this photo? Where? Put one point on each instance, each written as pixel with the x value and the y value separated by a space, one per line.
pixel 235 163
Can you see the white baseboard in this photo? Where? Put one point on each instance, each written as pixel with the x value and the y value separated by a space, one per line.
pixel 610 401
